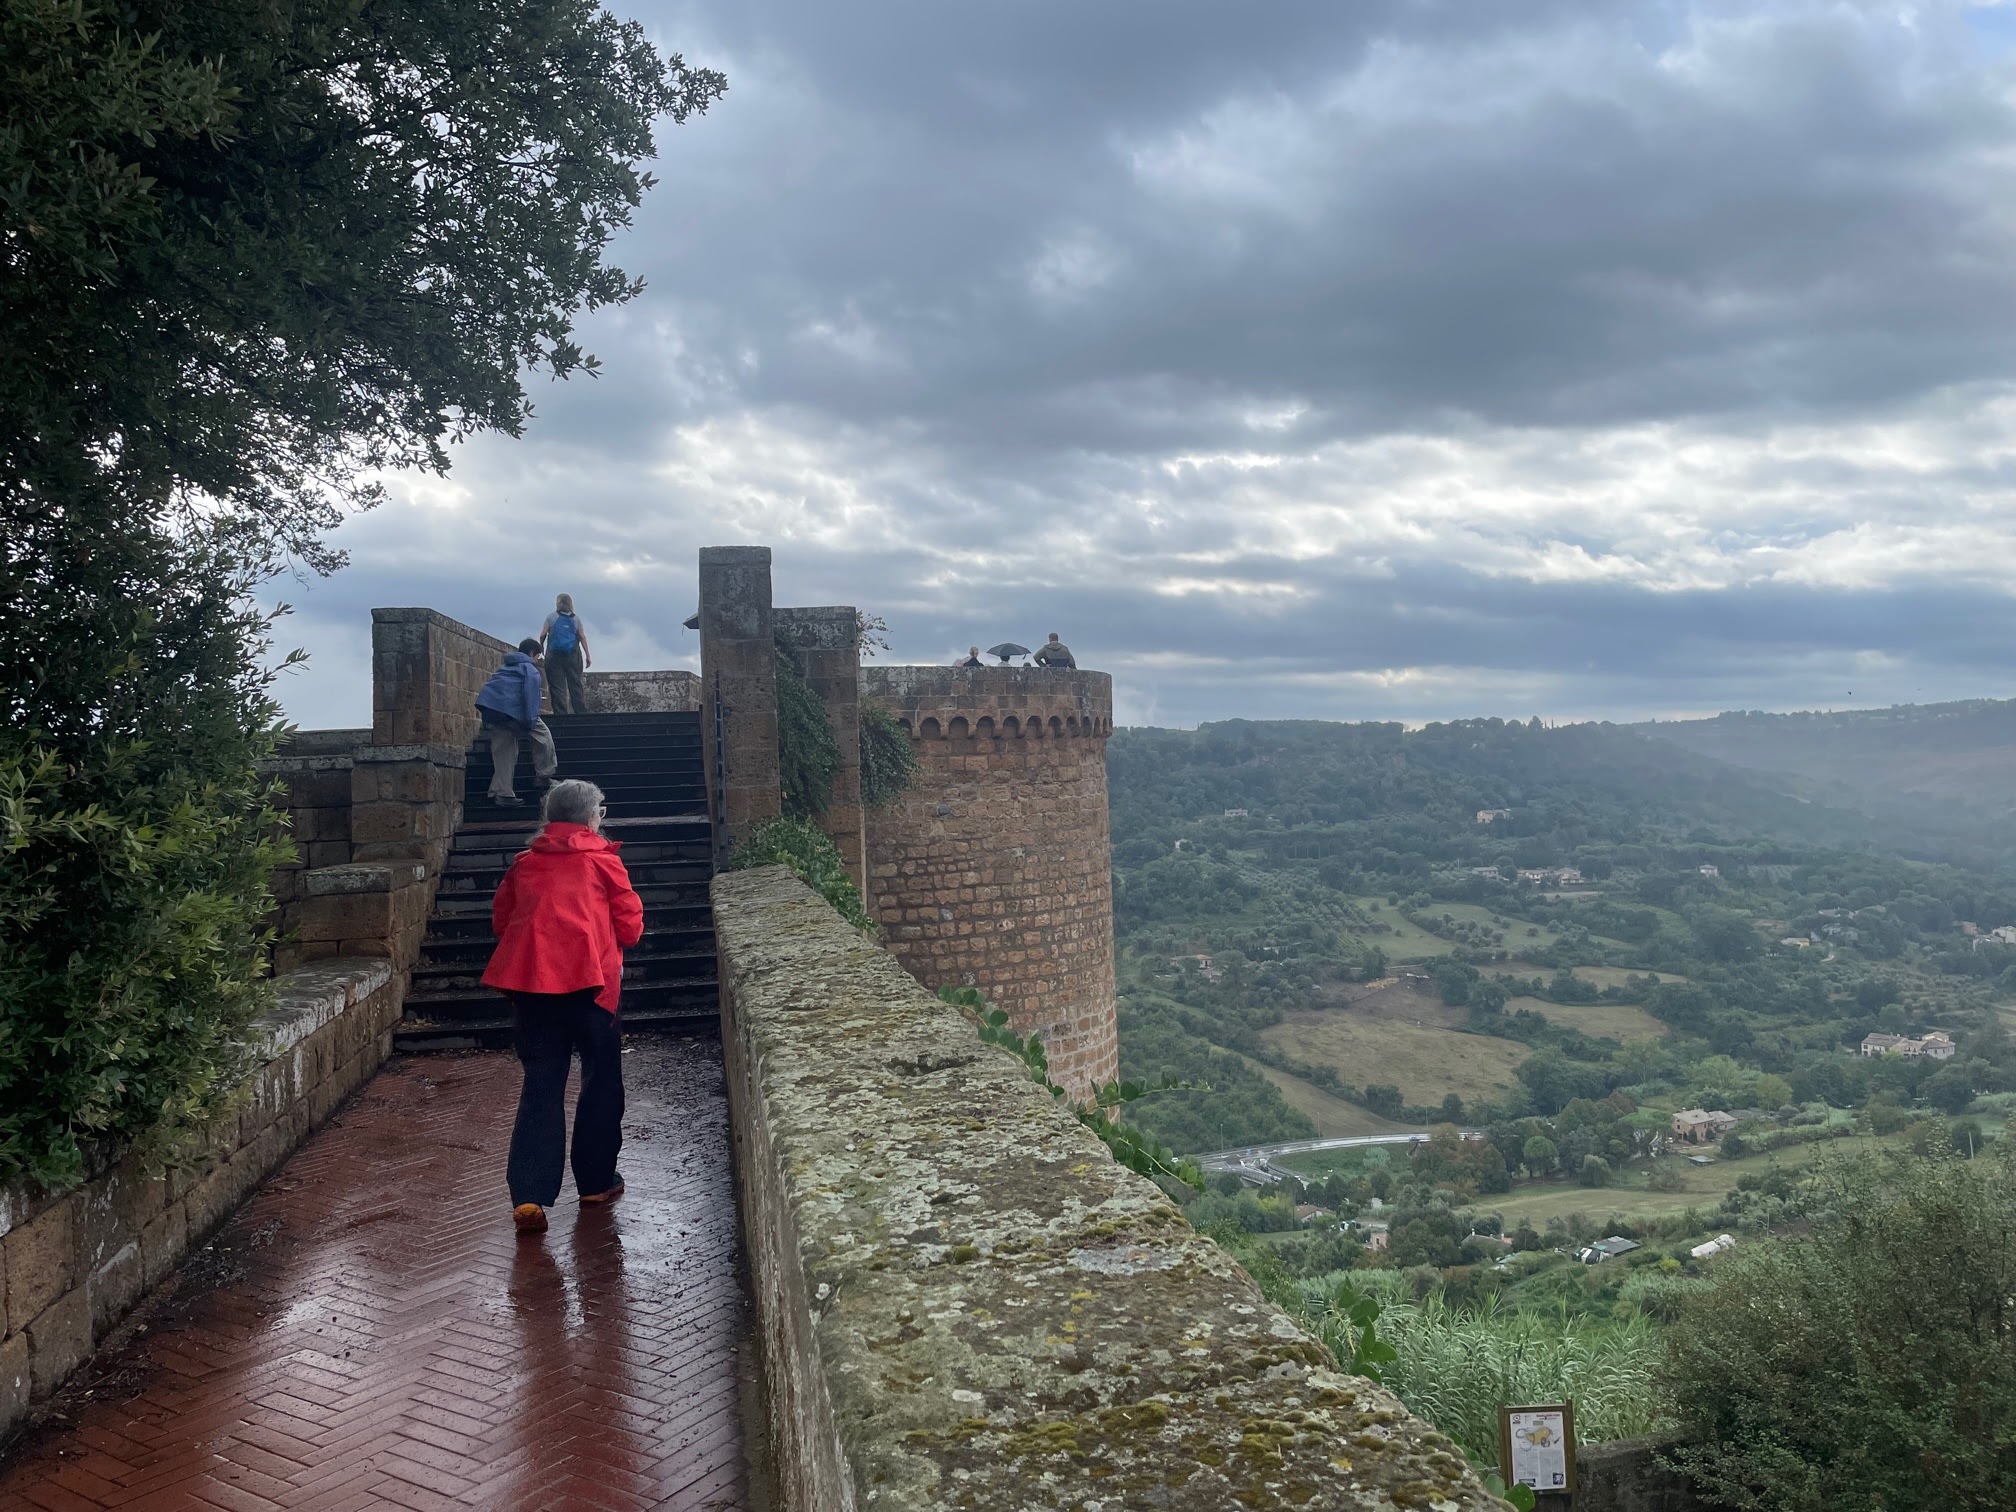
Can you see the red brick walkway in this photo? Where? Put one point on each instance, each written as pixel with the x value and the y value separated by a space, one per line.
pixel 370 1332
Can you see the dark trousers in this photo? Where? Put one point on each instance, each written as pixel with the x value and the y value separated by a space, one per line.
pixel 569 681
pixel 549 1029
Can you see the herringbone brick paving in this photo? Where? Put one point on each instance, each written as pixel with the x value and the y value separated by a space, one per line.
pixel 369 1332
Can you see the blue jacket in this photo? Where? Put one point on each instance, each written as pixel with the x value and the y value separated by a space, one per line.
pixel 513 691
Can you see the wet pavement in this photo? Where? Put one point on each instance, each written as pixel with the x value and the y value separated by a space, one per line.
pixel 370 1332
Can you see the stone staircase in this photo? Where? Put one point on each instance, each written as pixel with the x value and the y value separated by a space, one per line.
pixel 648 765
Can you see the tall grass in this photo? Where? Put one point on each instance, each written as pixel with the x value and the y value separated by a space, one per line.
pixel 1457 1368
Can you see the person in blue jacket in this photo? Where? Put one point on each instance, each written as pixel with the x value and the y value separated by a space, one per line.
pixel 509 704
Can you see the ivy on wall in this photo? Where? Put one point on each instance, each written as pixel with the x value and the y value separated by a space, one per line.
pixel 887 762
pixel 802 846
pixel 807 753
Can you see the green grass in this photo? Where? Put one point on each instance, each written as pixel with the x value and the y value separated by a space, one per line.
pixel 1424 1062
pixel 1401 941
pixel 1619 1021
pixel 1628 1194
pixel 1351 1162
pixel 1334 1117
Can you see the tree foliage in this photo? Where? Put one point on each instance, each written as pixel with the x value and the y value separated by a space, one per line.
pixel 254 250
pixel 1870 1362
pixel 251 252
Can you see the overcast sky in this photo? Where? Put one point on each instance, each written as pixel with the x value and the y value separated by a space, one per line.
pixel 1383 360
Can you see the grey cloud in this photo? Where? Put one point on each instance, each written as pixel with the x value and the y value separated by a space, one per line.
pixel 941 298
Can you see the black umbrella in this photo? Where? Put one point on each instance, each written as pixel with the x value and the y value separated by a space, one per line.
pixel 1007 649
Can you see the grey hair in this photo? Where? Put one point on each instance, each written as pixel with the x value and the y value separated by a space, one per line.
pixel 572 802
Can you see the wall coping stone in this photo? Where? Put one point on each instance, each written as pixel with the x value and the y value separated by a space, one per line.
pixel 324 742
pixel 310 996
pixel 419 616
pixel 966 1303
pixel 440 755
pixel 362 877
pixel 325 762
pixel 304 1000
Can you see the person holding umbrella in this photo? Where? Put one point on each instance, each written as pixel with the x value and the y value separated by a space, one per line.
pixel 1007 649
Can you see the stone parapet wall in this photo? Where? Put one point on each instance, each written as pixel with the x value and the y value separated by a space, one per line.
pixel 75 1264
pixel 426 670
pixel 994 870
pixel 667 692
pixel 1631 1476
pixel 964 1303
pixel 313 769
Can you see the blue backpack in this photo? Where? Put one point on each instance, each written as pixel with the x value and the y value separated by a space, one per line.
pixel 565 634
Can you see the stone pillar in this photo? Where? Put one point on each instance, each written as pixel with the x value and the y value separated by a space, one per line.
pixel 825 644
pixel 738 675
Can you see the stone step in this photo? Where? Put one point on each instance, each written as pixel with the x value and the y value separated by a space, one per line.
pixel 461 950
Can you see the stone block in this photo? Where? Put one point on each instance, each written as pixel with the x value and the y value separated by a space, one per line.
pixel 115 1286
pixel 59 1341
pixel 16 1388
pixel 42 1258
pixel 163 1243
pixel 386 820
pixel 343 916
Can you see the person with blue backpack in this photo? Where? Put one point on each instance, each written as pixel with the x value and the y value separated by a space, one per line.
pixel 564 639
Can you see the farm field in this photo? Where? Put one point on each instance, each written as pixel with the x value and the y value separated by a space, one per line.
pixel 1618 1021
pixel 1334 1117
pixel 1628 1194
pixel 1401 941
pixel 1425 1063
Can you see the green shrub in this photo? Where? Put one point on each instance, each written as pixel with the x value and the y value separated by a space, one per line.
pixel 804 848
pixel 136 841
pixel 1870 1362
pixel 887 761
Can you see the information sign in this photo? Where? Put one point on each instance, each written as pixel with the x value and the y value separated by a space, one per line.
pixel 1536 1446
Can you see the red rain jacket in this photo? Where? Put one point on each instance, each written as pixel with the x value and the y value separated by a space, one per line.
pixel 564 916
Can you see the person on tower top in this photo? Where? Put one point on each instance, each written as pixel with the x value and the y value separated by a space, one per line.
pixel 1054 653
pixel 972 658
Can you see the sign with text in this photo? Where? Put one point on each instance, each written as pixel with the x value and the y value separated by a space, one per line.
pixel 1536 1446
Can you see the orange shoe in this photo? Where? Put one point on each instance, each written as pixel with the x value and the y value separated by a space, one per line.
pixel 599 1198
pixel 530 1218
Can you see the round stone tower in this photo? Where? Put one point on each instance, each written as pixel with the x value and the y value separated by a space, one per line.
pixel 994 868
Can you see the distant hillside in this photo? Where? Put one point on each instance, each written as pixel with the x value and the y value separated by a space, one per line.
pixel 1915 762
pixel 1416 791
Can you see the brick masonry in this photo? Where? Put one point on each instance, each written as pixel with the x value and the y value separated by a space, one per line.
pixel 994 869
pixel 76 1263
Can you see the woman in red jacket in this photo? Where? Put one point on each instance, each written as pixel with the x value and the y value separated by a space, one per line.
pixel 563 918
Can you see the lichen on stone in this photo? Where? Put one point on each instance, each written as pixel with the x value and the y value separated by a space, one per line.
pixel 1011 1320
